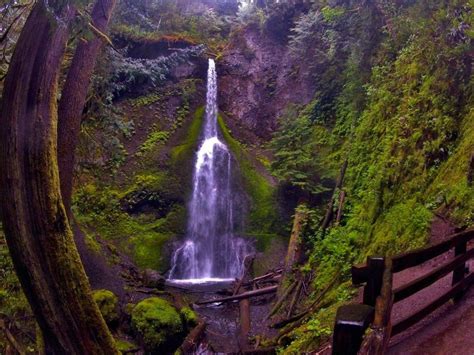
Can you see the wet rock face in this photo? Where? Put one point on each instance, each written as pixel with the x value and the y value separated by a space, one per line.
pixel 158 203
pixel 258 78
pixel 153 279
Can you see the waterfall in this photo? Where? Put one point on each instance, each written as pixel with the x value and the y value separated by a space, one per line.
pixel 211 251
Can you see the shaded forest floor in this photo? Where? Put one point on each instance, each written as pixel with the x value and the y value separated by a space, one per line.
pixel 448 330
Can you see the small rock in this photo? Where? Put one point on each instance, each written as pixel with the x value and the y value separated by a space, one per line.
pixel 153 279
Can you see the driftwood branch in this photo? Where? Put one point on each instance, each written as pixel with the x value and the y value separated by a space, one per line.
pixel 249 294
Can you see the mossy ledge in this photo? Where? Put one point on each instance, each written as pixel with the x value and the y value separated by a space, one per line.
pixel 263 219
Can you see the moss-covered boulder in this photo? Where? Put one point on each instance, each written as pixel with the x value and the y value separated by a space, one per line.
pixel 108 305
pixel 190 318
pixel 158 324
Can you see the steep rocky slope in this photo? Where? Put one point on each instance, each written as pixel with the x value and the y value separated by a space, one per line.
pixel 259 79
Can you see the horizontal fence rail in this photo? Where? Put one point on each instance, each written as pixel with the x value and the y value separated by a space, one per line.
pixel 352 321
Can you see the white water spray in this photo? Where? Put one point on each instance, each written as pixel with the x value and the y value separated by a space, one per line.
pixel 211 252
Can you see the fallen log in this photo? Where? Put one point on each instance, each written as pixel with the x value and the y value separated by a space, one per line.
pixel 267 275
pixel 280 301
pixel 275 279
pixel 342 198
pixel 329 212
pixel 310 309
pixel 191 342
pixel 295 299
pixel 295 245
pixel 249 294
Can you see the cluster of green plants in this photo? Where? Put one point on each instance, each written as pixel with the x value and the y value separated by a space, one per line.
pixel 145 21
pixel 154 138
pixel 398 107
pixel 99 208
pixel 15 312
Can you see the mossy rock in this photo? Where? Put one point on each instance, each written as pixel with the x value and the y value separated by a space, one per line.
pixel 158 324
pixel 108 305
pixel 190 318
pixel 124 345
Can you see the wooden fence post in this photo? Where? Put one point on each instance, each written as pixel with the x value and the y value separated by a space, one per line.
pixel 351 323
pixel 373 287
pixel 460 271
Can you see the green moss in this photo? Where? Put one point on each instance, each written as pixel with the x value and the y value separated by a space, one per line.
pixel 263 215
pixel 141 236
pixel 148 250
pixel 91 242
pixel 450 191
pixel 190 318
pixel 184 151
pixel 146 100
pixel 158 324
pixel 108 305
pixel 124 345
pixel 156 137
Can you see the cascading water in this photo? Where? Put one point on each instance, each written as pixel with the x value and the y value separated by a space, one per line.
pixel 211 251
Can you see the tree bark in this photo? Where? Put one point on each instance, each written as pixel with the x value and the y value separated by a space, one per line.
pixel 73 97
pixel 295 246
pixel 36 227
pixel 330 210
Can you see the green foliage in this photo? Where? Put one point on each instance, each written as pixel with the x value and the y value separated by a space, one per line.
pixel 108 305
pixel 146 100
pixel 155 138
pixel 332 14
pixel 398 107
pixel 158 324
pixel 126 73
pixel 145 21
pixel 143 238
pixel 263 215
pixel 184 150
pixel 124 345
pixel 294 150
pixel 14 308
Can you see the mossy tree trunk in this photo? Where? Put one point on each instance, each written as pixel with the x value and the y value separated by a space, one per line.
pixel 73 97
pixel 36 227
pixel 295 246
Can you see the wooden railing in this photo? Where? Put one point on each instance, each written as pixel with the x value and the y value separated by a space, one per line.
pixel 366 328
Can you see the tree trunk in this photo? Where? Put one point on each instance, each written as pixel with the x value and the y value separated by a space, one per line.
pixel 36 227
pixel 329 212
pixel 295 247
pixel 73 97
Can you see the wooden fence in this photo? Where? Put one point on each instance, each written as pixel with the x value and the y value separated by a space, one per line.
pixel 366 328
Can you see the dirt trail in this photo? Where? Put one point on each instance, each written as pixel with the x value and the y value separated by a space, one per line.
pixel 450 329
